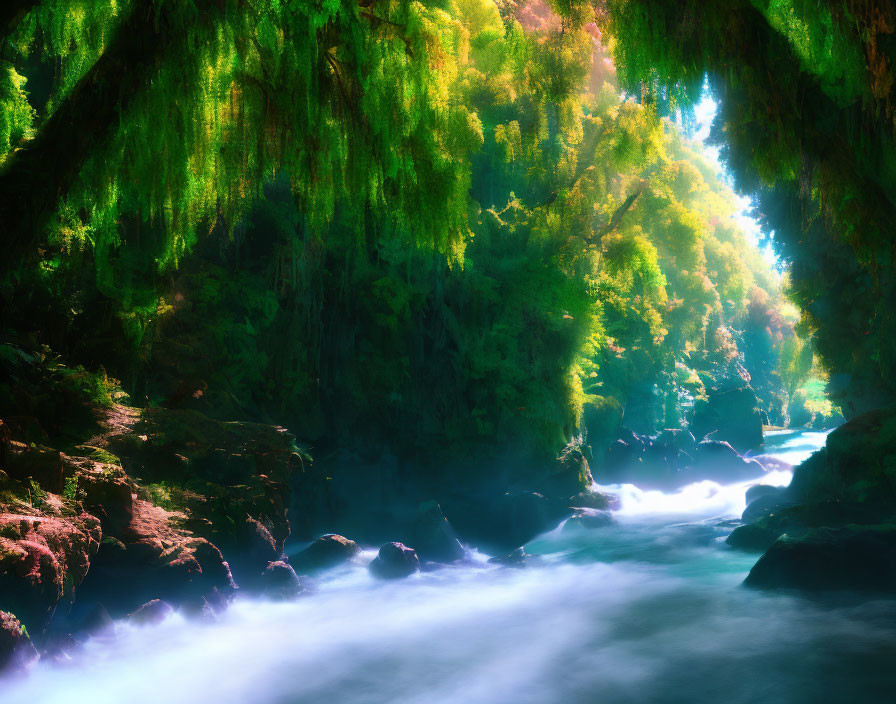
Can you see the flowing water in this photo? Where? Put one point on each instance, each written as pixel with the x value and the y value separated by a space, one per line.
pixel 649 610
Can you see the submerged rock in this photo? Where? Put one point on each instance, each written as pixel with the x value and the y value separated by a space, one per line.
pixel 16 649
pixel 325 552
pixel 849 558
pixel 394 561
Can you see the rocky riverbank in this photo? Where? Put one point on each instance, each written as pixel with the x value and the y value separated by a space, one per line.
pixel 109 511
pixel 833 527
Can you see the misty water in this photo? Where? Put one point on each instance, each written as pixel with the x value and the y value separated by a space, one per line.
pixel 649 610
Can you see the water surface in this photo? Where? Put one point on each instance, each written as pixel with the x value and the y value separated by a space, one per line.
pixel 649 610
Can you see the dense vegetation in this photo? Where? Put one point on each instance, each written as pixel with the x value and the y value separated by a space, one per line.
pixel 423 229
pixel 463 254
pixel 807 95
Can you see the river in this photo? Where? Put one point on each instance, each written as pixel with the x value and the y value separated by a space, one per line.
pixel 649 610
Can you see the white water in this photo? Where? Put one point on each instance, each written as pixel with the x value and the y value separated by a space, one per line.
pixel 651 610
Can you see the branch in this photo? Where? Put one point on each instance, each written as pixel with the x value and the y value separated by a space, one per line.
pixel 375 20
pixel 622 210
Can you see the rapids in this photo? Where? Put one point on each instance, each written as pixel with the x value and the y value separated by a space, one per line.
pixel 649 610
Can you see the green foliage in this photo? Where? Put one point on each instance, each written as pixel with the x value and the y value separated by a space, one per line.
pixel 807 95
pixel 16 113
pixel 402 225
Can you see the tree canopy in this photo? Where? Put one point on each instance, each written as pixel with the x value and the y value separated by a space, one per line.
pixel 430 224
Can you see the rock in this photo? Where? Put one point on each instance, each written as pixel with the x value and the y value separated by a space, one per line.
pixel 766 505
pixel 279 581
pixel 518 558
pixel 394 561
pixel 854 467
pixel 239 478
pixel 731 415
pixel 754 537
pixel 154 558
pixel 433 537
pixel 38 462
pixel 16 649
pixel 631 438
pixel 589 518
pixel 595 499
pixel 95 622
pixel 250 543
pixel 850 558
pixel 570 473
pixel 675 459
pixel 719 461
pixel 623 456
pixel 106 491
pixel 151 613
pixel 325 552
pixel 43 558
pixel 757 491
pixel 676 440
pixel 520 517
pixel 499 524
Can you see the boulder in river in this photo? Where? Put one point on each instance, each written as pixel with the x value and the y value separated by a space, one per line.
pixel 280 581
pixel 849 558
pixel 589 518
pixel 753 537
pixel 719 461
pixel 766 504
pixel 521 516
pixel 433 537
pixel 676 440
pixel 731 415
pixel 394 561
pixel 16 650
pixel 151 613
pixel 500 523
pixel 594 499
pixel 757 491
pixel 518 558
pixel 325 552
